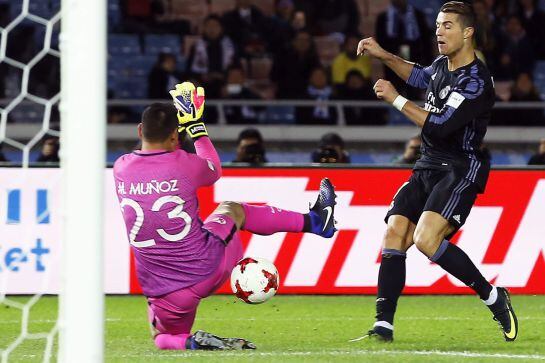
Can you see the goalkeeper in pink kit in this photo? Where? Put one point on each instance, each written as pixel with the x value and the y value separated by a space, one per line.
pixel 179 258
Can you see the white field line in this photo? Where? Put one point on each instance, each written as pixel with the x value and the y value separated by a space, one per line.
pixel 411 318
pixel 355 353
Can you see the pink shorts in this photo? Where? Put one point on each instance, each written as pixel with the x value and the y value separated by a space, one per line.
pixel 174 313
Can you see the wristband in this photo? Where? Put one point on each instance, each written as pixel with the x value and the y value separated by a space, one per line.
pixel 399 102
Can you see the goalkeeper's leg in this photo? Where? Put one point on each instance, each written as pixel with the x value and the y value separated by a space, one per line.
pixel 266 220
pixel 172 316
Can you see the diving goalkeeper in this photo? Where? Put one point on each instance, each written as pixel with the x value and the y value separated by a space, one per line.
pixel 179 258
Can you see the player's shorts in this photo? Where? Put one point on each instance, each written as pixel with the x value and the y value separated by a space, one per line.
pixel 441 191
pixel 221 226
pixel 174 313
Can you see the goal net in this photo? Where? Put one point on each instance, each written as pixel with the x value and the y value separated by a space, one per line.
pixel 52 85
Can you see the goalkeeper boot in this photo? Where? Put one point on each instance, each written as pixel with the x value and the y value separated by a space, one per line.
pixel 505 315
pixel 238 343
pixel 202 340
pixel 322 221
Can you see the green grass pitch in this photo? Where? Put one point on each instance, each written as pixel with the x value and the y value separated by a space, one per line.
pixel 309 329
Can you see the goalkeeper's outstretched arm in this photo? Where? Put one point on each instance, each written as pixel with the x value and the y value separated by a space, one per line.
pixel 400 66
pixel 189 101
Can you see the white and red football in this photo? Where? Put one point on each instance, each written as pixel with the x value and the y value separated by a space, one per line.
pixel 254 280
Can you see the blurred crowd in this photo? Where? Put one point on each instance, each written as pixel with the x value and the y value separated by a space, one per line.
pixel 305 50
pixel 295 50
pixel 331 149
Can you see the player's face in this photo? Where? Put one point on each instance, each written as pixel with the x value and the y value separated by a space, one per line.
pixel 449 33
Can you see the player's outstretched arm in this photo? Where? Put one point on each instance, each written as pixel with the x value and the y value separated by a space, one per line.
pixel 466 100
pixel 189 101
pixel 387 92
pixel 400 66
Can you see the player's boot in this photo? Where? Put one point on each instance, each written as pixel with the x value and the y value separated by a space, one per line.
pixel 202 340
pixel 378 333
pixel 322 219
pixel 505 315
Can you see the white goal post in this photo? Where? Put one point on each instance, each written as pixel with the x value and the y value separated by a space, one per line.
pixel 83 49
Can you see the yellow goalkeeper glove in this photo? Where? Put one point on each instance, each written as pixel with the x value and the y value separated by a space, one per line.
pixel 189 101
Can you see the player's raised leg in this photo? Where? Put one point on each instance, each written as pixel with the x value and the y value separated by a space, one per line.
pixel 266 220
pixel 429 237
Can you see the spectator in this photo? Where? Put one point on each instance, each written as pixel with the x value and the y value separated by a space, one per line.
pixel 284 24
pixel 114 115
pixel 347 61
pixel 402 30
pixel 411 153
pixel 533 21
pixel 485 31
pixel 331 150
pixel 50 150
pixel 235 89
pixel 336 17
pixel 318 89
pixel 291 69
pixel 358 88
pixel 163 76
pixel 211 56
pixel 163 20
pixel 299 21
pixel 539 158
pixel 248 28
pixel 119 115
pixel 524 90
pixel 516 54
pixel 250 147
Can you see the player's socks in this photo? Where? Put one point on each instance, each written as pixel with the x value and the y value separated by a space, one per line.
pixel 171 342
pixel 455 261
pixel 391 280
pixel 266 220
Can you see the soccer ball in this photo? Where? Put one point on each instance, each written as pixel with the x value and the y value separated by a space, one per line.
pixel 254 280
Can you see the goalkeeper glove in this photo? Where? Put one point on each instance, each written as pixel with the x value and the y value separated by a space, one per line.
pixel 190 105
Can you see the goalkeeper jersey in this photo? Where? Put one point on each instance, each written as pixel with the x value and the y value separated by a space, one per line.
pixel 157 191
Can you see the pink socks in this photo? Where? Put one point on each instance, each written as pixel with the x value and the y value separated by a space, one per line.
pixel 266 220
pixel 171 342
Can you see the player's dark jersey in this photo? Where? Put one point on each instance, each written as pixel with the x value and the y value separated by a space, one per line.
pixel 460 104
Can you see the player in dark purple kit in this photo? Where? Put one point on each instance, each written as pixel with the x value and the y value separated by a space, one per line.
pixel 435 202
pixel 179 258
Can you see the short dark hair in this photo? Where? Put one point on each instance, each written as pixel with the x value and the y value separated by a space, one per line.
pixel 163 56
pixel 159 121
pixel 464 10
pixel 332 139
pixel 250 133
